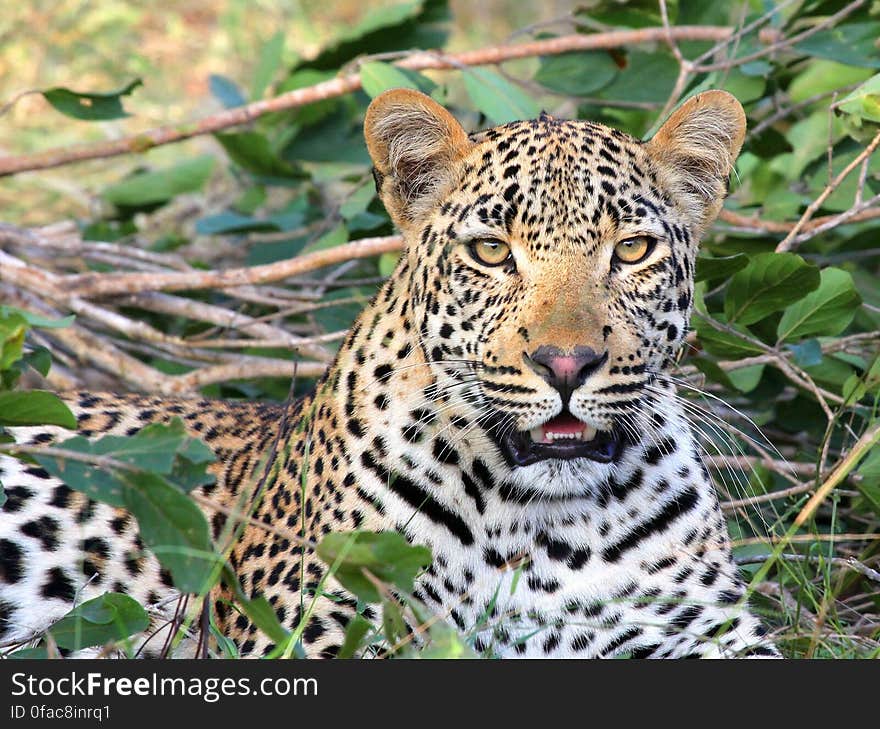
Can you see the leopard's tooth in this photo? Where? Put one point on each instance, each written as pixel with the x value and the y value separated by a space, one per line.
pixel 589 432
pixel 536 434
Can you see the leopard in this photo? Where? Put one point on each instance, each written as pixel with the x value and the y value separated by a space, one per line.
pixel 505 400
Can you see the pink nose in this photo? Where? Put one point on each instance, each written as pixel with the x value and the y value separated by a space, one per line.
pixel 565 371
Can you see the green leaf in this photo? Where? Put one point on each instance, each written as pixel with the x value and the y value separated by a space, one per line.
pixel 851 43
pixel 806 354
pixel 869 484
pixel 577 74
pixel 495 96
pixel 267 65
pixel 712 269
pixel 253 152
pixel 709 367
pixel 335 237
pixel 108 618
pixel 377 77
pixel 387 263
pixel 413 24
pixel 768 284
pixel 90 106
pixel 39 359
pixel 724 344
pixel 35 320
pixel 647 77
pixel 445 644
pixel 34 407
pixel 827 311
pixel 147 188
pixel 229 222
pixel 355 632
pixel 341 316
pixel 744 87
pixel 821 77
pixel 358 200
pixel 13 327
pixel 394 625
pixel 226 91
pixel 386 555
pixel 746 379
pixel 164 449
pixel 169 522
pixel 863 102
pixel 173 527
pixel 261 612
pixel 188 471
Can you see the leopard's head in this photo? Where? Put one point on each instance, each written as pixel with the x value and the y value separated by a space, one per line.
pixel 550 263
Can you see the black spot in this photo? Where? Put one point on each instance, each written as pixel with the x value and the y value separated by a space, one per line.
pixel 382 372
pixel 759 650
pixel 551 643
pixel 443 451
pixel 582 642
pixel 664 447
pixel 16 496
pixel 556 550
pixel 10 562
pixel 58 586
pixel 621 639
pixel 729 597
pixel 96 546
pixel 684 619
pixel 37 472
pixel 493 558
pixel 579 557
pixel 646 651
pixel 118 524
pixel 61 496
pixel 44 529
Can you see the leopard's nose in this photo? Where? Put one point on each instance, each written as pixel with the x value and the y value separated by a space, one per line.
pixel 563 370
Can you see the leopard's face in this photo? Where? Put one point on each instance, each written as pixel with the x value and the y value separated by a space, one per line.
pixel 551 277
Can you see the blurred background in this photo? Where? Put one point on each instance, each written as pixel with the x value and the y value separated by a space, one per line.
pixel 175 46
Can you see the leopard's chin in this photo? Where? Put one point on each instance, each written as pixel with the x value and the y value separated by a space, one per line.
pixel 563 437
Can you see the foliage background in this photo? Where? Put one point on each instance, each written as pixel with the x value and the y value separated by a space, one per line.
pixel 781 372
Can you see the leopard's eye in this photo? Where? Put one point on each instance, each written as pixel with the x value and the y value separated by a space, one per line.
pixel 490 252
pixel 633 250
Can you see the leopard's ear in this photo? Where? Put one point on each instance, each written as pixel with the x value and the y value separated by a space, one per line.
pixel 696 149
pixel 415 145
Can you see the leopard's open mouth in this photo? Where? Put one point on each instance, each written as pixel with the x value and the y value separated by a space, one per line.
pixel 563 437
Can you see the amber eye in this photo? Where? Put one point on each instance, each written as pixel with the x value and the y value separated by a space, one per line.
pixel 633 250
pixel 490 252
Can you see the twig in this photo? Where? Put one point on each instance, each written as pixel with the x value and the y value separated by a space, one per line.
pixel 828 22
pixel 787 243
pixel 788 111
pixel 108 284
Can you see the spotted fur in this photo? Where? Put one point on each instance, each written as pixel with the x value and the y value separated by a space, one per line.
pixel 558 558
